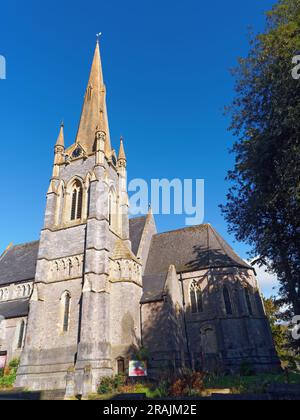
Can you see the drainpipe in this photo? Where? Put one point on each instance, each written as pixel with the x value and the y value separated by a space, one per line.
pixel 141 324
pixel 185 323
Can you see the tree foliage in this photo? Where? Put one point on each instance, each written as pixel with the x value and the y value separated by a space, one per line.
pixel 263 202
pixel 281 334
pixel 279 331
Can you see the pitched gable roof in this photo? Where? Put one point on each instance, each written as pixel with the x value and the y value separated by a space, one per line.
pixel 153 287
pixel 19 263
pixel 191 249
pixel 136 229
pixel 122 252
pixel 14 309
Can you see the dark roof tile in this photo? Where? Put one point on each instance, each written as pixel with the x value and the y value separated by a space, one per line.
pixel 136 229
pixel 19 263
pixel 14 309
pixel 153 287
pixel 191 249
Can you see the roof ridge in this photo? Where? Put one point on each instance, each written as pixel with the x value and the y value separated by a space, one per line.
pixel 25 244
pixel 219 238
pixel 6 250
pixel 139 217
pixel 204 225
pixel 208 246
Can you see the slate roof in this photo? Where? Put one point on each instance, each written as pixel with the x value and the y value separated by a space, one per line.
pixel 153 287
pixel 136 228
pixel 19 263
pixel 190 249
pixel 121 252
pixel 14 309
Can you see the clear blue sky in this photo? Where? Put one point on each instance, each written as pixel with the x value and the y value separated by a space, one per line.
pixel 166 66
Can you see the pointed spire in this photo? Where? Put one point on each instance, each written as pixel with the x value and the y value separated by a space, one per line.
pixel 122 155
pixel 94 112
pixel 61 139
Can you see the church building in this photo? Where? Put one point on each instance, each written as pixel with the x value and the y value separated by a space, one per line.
pixel 99 286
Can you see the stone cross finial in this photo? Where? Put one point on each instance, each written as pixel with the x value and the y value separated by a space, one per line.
pixel 98 36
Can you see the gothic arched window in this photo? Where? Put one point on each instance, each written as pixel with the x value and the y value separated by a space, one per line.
pixel 227 301
pixel 59 204
pixel 248 302
pixel 109 210
pixel 76 204
pixel 88 201
pixel 112 210
pixel 196 298
pixel 21 334
pixel 66 301
pixel 28 290
pixel 70 266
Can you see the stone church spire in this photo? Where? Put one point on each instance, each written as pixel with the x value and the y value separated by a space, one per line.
pixel 60 142
pixel 122 156
pixel 59 151
pixel 94 117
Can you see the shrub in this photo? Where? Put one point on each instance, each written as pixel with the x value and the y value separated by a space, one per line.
pixel 14 364
pixel 179 388
pixel 162 390
pixel 105 386
pixel 9 374
pixel 111 384
pixel 190 383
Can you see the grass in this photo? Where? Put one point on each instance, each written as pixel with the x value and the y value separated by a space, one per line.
pixel 236 384
pixel 151 394
pixel 249 384
pixel 104 397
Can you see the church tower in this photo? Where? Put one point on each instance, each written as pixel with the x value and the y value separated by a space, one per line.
pixel 84 311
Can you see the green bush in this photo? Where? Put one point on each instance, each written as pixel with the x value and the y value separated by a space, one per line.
pixel 162 390
pixel 14 364
pixel 8 377
pixel 105 386
pixel 111 384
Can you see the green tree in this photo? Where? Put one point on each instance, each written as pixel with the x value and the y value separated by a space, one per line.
pixel 263 202
pixel 281 333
